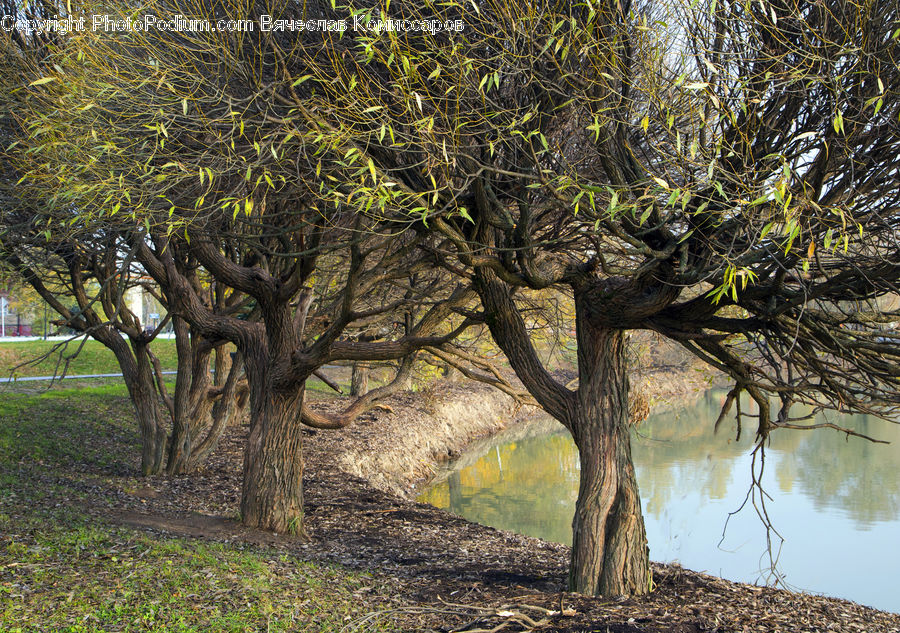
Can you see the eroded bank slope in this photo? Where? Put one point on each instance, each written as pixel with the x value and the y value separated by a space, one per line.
pixel 399 450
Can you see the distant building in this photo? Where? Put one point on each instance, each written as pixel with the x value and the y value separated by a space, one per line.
pixel 13 322
pixel 140 301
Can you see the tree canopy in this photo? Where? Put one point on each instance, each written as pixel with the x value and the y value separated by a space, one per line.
pixel 173 143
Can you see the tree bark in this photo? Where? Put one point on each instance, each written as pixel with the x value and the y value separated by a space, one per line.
pixel 609 543
pixel 224 410
pixel 137 372
pixel 359 380
pixel 180 444
pixel 272 494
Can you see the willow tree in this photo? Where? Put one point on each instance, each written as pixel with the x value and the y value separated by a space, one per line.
pixel 84 273
pixel 193 144
pixel 721 173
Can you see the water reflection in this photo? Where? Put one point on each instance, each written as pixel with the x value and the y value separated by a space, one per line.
pixel 835 500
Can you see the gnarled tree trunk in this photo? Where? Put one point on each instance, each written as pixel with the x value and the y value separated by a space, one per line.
pixel 188 371
pixel 609 543
pixel 223 411
pixel 272 494
pixel 137 372
pixel 609 549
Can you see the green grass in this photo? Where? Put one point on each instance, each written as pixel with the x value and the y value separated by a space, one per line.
pixel 88 577
pixel 62 569
pixel 91 427
pixel 93 358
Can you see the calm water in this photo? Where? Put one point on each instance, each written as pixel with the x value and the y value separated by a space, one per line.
pixel 835 501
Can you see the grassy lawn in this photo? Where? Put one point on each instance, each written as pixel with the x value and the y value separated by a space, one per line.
pixel 93 358
pixel 62 569
pixel 60 573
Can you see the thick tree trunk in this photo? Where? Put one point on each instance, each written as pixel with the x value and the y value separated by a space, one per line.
pixel 272 495
pixel 146 403
pixel 181 441
pixel 153 433
pixel 141 388
pixel 609 543
pixel 137 372
pixel 359 380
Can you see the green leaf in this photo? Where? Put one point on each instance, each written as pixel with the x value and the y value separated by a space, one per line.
pixel 719 189
pixel 42 81
pixel 645 215
pixel 613 203
pixel 544 141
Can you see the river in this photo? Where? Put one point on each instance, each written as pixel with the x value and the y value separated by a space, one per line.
pixel 835 500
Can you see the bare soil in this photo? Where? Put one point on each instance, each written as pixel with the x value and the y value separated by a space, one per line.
pixel 445 573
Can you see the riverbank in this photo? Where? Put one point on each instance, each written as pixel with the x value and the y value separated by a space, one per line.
pixel 496 566
pixel 399 452
pixel 391 562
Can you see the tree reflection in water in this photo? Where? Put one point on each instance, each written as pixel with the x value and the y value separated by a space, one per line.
pixel 836 500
